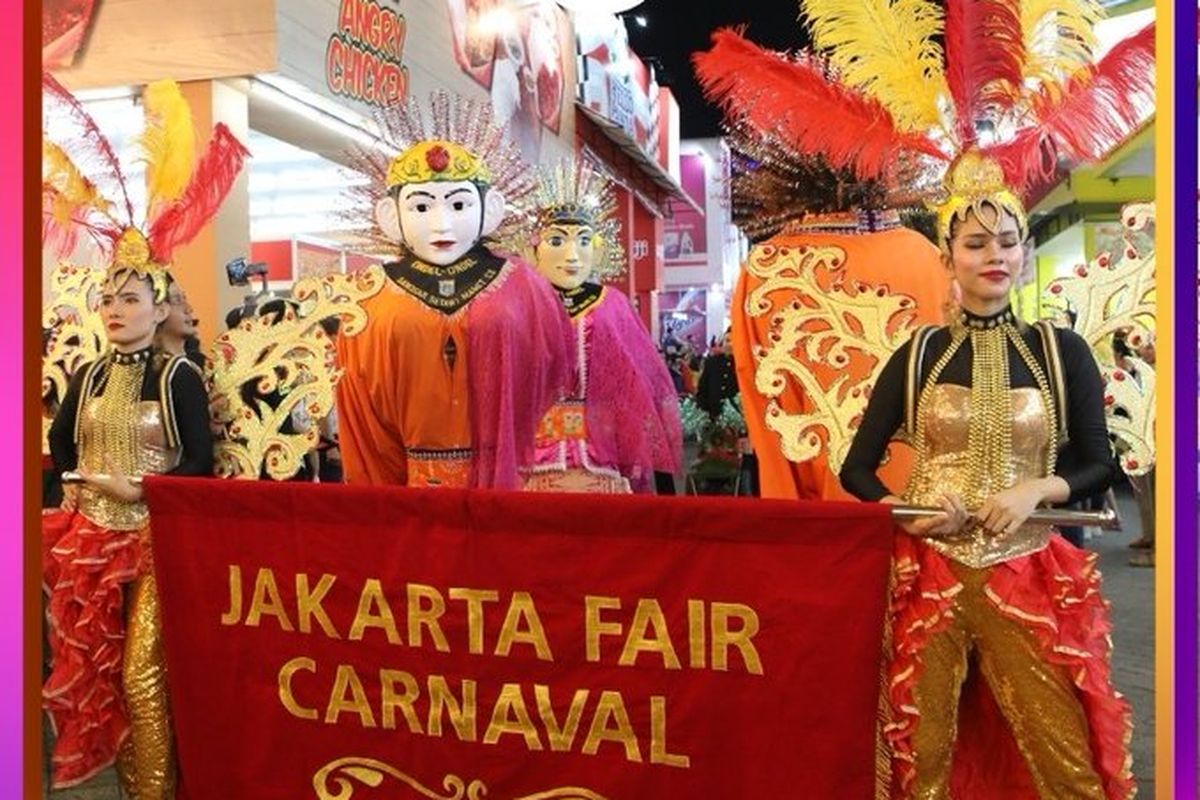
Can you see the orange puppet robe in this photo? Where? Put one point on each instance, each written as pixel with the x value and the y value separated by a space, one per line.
pixel 902 260
pixel 429 398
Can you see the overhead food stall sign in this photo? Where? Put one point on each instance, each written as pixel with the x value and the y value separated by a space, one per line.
pixel 363 57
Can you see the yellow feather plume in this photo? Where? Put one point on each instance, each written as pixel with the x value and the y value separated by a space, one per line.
pixel 887 49
pixel 72 189
pixel 168 142
pixel 1060 38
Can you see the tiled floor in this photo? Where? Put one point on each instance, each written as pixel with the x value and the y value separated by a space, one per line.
pixel 1131 591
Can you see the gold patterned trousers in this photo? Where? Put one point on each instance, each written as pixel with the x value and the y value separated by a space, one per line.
pixel 1038 700
pixel 145 763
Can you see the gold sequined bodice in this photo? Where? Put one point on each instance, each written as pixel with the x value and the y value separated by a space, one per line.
pixel 127 431
pixel 947 467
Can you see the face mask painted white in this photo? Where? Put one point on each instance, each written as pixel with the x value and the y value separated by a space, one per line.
pixel 440 221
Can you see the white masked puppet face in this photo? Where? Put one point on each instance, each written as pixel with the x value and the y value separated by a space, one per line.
pixel 440 221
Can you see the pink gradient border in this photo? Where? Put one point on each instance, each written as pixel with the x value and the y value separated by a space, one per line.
pixel 13 687
pixel 12 433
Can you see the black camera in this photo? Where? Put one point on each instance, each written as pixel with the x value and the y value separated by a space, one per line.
pixel 239 272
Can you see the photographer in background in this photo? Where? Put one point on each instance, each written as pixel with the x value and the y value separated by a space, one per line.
pixel 239 272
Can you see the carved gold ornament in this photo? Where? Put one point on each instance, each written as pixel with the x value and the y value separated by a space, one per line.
pixel 336 781
pixel 271 370
pixel 828 333
pixel 74 333
pixel 1129 402
pixel 1116 292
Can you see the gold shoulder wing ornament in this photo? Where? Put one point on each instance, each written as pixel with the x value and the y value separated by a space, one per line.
pixel 271 378
pixel 1116 293
pixel 72 330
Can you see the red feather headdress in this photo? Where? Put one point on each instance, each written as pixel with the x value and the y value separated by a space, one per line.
pixel 900 82
pixel 84 187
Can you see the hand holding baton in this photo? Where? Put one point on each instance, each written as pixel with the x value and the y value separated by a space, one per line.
pixel 1106 519
pixel 71 476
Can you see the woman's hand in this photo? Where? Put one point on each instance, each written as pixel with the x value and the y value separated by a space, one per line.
pixel 114 483
pixel 1006 511
pixel 950 522
pixel 70 498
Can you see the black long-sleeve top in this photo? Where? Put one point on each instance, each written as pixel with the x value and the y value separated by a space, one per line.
pixel 1086 462
pixel 718 383
pixel 189 403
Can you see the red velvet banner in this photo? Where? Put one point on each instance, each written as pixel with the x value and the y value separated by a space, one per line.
pixel 356 643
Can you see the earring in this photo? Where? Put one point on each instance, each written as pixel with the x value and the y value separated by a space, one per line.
pixel 952 309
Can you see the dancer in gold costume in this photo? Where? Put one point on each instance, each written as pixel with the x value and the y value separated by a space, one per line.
pixel 1004 417
pixel 136 410
pixel 997 672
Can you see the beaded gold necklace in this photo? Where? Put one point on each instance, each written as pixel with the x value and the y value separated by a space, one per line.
pixel 116 433
pixel 989 434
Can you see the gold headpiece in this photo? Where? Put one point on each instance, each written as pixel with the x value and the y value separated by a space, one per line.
pixel 930 86
pixel 131 257
pixel 437 160
pixel 975 184
pixel 576 194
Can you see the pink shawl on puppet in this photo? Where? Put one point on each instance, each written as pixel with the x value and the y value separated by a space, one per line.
pixel 520 361
pixel 632 409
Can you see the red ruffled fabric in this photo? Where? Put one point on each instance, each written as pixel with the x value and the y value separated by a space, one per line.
pixel 1056 594
pixel 923 590
pixel 85 567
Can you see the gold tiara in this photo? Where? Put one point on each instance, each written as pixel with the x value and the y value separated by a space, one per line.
pixel 132 256
pixel 973 183
pixel 436 160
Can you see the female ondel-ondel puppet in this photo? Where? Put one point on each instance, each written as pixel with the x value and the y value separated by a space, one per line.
pixel 998 673
pixel 619 423
pixel 465 349
pixel 133 411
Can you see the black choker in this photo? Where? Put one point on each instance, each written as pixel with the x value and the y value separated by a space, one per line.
pixel 975 322
pixel 446 289
pixel 136 357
